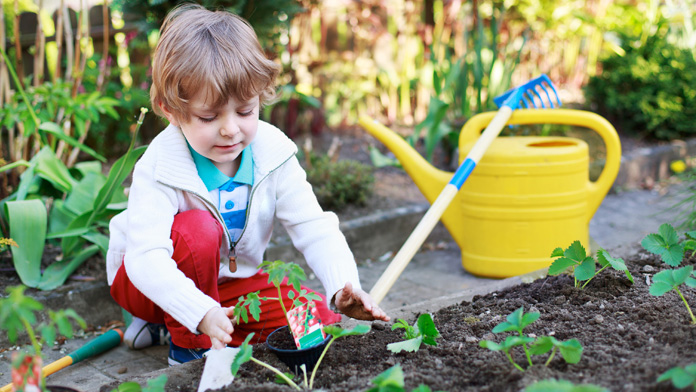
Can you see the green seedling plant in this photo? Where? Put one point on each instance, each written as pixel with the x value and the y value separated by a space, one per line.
pixel 18 314
pixel 153 385
pixel 681 377
pixel 392 380
pixel 553 385
pixel 277 272
pixel 245 354
pixel 571 350
pixel 583 266
pixel 671 250
pixel 423 331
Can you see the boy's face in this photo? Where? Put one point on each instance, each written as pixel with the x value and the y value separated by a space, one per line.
pixel 219 134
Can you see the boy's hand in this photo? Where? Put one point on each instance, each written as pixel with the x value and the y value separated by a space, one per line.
pixel 216 324
pixel 358 304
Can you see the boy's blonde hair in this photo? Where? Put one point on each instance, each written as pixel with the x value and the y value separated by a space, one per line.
pixel 201 50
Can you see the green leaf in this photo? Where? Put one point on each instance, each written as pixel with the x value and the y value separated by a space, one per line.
pixel 129 386
pixel 56 131
pixel 27 219
pixel 48 334
pixel 659 288
pixel 514 341
pixel 411 345
pixel 586 270
pixel 529 318
pixel 57 273
pixel 427 327
pixel 665 244
pixel 575 251
pixel 53 170
pixel 542 345
pixel 571 350
pixel 243 355
pixel 392 377
pixel 493 346
pixel 558 252
pixel 157 384
pixel 668 233
pixel 552 385
pixel 338 332
pixel 681 377
pixel 560 265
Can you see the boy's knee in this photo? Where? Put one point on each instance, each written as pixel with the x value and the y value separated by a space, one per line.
pixel 197 228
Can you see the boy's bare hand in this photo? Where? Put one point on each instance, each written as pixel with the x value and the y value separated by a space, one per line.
pixel 216 324
pixel 358 304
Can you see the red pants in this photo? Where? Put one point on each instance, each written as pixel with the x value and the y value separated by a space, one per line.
pixel 197 237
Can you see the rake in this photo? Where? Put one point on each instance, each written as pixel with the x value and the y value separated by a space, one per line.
pixel 536 93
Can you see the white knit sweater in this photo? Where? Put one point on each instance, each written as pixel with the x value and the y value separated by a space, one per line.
pixel 166 182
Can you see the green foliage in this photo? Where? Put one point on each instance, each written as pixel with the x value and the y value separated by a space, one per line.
pixel 583 266
pixel 571 350
pixel 553 385
pixel 18 313
pixel 74 207
pixel 666 244
pixel 649 87
pixel 392 380
pixel 270 18
pixel 681 377
pixel 671 249
pixel 153 385
pixel 339 183
pixel 423 331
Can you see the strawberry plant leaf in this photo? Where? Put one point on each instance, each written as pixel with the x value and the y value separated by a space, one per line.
pixel 691 282
pixel 427 328
pixel 529 318
pixel 391 379
pixel 558 252
pixel 586 269
pixel 680 377
pixel 504 327
pixel 616 263
pixel 243 355
pixel 552 385
pixel 560 265
pixel 411 345
pixel 668 233
pixel 542 345
pixel 491 345
pixel 48 334
pixel 571 350
pixel 513 341
pixel 680 275
pixel 659 289
pixel 575 251
pixel 338 332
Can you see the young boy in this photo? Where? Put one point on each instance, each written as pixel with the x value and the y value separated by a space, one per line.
pixel 206 192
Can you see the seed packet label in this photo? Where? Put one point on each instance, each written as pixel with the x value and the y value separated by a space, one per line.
pixel 306 326
pixel 26 374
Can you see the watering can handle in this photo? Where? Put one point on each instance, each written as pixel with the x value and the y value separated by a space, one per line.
pixel 598 189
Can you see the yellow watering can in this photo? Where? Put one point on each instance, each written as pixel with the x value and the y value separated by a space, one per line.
pixel 527 196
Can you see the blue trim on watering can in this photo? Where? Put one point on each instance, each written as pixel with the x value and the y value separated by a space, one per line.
pixel 463 172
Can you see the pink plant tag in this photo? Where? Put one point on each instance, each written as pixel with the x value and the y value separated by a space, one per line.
pixel 26 372
pixel 306 326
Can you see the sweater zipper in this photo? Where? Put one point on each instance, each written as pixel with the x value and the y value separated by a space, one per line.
pixel 251 195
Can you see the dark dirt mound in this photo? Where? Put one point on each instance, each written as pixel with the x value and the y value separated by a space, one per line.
pixel 629 338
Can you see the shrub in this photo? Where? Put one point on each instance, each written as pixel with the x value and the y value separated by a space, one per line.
pixel 650 90
pixel 339 183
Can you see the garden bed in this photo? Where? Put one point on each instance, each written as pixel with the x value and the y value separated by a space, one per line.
pixel 629 338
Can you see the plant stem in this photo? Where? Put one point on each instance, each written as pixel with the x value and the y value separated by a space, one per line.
pixel 282 305
pixel 693 319
pixel 278 372
pixel 548 361
pixel 316 366
pixel 509 357
pixel 32 336
pixel 30 108
pixel 593 276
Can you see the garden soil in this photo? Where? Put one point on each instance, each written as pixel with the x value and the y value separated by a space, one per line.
pixel 629 338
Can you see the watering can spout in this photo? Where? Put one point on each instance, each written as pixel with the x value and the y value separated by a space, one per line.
pixel 429 179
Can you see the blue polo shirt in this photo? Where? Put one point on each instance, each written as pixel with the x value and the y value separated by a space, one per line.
pixel 230 194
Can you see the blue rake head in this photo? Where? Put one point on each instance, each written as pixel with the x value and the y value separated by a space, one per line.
pixel 530 95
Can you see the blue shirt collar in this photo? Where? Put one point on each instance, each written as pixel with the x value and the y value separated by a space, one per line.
pixel 213 178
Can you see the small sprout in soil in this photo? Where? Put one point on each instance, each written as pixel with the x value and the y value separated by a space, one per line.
pixel 245 355
pixel 392 380
pixel 246 351
pixel 668 280
pixel 553 385
pixel 154 385
pixel 423 331
pixel 681 377
pixel 571 350
pixel 666 244
pixel 582 265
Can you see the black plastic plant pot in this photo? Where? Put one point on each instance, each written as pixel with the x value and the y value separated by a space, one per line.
pixel 293 357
